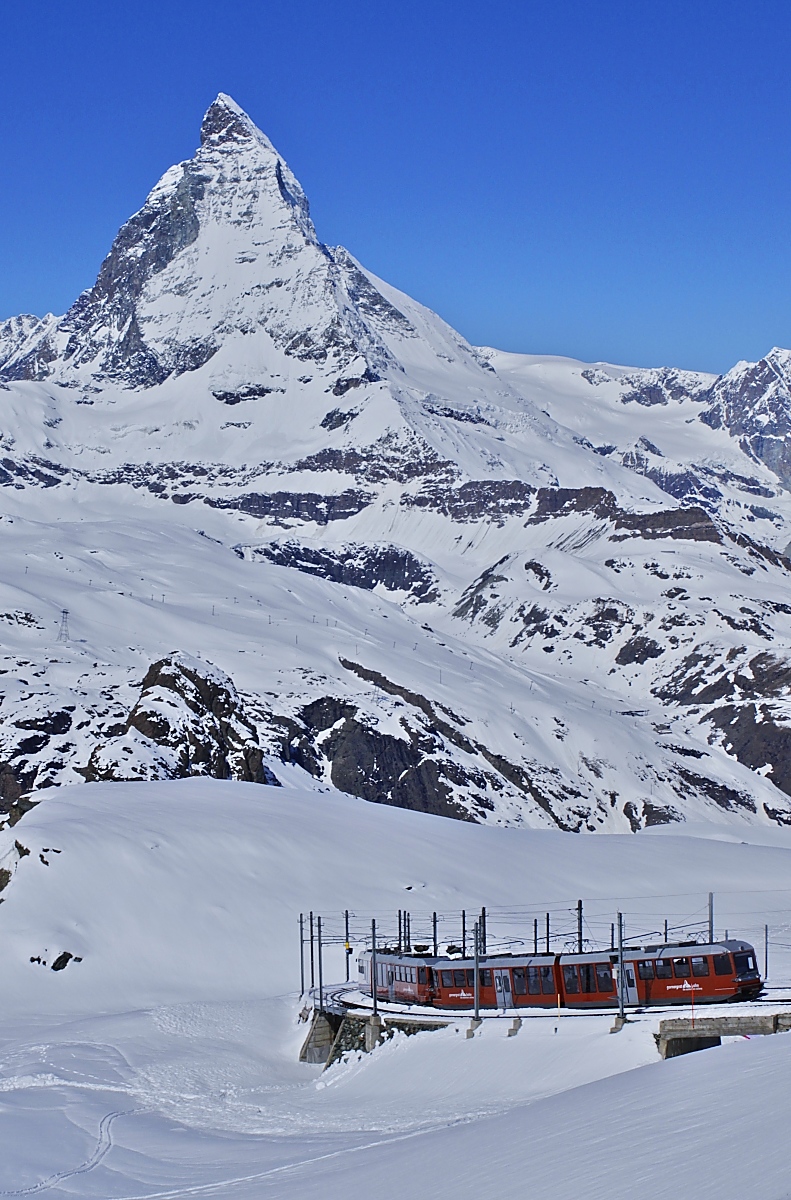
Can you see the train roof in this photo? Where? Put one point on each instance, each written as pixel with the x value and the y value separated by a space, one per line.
pixel 507 958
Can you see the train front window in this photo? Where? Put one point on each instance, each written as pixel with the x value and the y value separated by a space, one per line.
pixel 722 964
pixel 700 966
pixel 570 981
pixel 604 977
pixel 745 963
pixel 547 981
pixel 663 968
pixel 681 968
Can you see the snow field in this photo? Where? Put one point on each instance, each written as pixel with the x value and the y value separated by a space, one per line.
pixel 166 1062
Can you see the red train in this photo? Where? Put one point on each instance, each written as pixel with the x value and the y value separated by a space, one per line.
pixel 666 974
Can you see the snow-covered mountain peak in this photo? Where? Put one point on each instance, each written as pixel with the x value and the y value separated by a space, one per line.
pixel 241 443
pixel 226 121
pixel 217 235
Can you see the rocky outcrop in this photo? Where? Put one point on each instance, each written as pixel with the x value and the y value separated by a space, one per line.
pixel 188 720
pixel 753 402
pixel 355 565
pixel 479 499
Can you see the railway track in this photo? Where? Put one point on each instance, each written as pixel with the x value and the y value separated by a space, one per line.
pixel 341 998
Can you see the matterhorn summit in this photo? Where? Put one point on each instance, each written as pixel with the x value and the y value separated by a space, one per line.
pixel 260 507
pixel 223 248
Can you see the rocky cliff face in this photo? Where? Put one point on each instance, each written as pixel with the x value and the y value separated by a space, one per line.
pixel 498 587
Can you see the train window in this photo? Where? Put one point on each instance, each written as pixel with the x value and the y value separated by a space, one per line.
pixel 681 968
pixel 588 977
pixel 547 981
pixel 570 981
pixel 447 978
pixel 700 966
pixel 360 967
pixel 604 977
pixel 459 978
pixel 645 969
pixel 520 983
pixel 533 981
pixel 663 968
pixel 421 974
pixel 743 963
pixel 486 978
pixel 722 964
pixel 470 979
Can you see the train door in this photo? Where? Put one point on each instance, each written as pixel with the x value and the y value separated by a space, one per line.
pixel 502 987
pixel 629 983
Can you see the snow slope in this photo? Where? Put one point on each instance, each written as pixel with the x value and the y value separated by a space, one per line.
pixel 164 1063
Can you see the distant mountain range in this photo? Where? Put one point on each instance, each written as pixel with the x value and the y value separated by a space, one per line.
pixel 259 505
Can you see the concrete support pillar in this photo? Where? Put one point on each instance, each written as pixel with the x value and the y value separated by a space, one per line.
pixel 373 1032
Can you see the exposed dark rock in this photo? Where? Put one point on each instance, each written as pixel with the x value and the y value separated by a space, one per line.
pixel 388 459
pixel 51 723
pixel 753 735
pixel 480 499
pixel 342 386
pixel 763 553
pixel 33 471
pixel 367 299
pixel 356 566
pixel 660 814
pixel 559 502
pixel 689 524
pixel 542 574
pixel 753 402
pixel 474 599
pixel 337 419
pixel 63 960
pixel 189 720
pixel 663 385
pixel 515 774
pixel 638 650
pixel 293 506
pixel 252 391
pixel 373 765
pixel 702 679
pixel 12 811
pixel 609 617
pixel 464 415
pixel 726 797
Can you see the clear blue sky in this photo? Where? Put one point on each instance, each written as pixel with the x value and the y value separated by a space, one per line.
pixel 609 180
